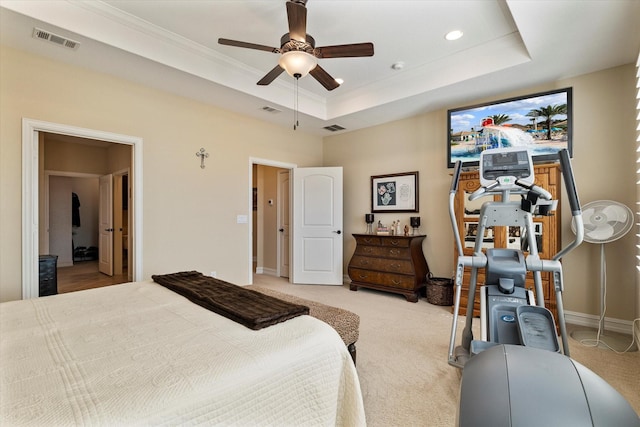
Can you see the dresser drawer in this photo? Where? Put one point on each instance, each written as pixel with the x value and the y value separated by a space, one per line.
pixel 398 281
pixel 370 240
pixel 401 266
pixel 383 251
pixel 396 242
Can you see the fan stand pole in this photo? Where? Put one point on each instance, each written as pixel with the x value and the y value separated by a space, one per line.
pixel 598 338
pixel 603 287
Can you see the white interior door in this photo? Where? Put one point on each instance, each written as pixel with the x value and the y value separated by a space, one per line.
pixel 317 226
pixel 105 220
pixel 283 223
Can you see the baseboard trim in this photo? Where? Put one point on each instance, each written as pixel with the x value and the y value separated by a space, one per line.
pixel 592 321
pixel 267 271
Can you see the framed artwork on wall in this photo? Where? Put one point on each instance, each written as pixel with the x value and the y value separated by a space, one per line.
pixel 397 192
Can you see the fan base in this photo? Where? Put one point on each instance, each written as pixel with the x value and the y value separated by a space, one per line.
pixel 607 342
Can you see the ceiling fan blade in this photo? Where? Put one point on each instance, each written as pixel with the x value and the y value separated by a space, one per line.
pixel 297 16
pixel 324 78
pixel 236 43
pixel 344 50
pixel 271 75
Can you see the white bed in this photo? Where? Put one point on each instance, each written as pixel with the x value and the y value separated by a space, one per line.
pixel 139 354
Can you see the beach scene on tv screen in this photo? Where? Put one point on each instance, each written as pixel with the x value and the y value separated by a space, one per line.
pixel 538 123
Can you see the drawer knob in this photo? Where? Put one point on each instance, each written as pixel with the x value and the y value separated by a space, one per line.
pixel 395 266
pixel 363 276
pixel 394 252
pixel 368 250
pixel 396 282
pixel 395 242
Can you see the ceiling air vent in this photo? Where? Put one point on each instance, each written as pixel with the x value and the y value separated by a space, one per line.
pixel 271 109
pixel 334 128
pixel 55 39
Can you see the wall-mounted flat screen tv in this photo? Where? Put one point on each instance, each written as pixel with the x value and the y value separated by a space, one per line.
pixel 541 122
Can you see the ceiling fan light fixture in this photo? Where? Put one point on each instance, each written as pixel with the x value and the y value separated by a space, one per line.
pixel 297 63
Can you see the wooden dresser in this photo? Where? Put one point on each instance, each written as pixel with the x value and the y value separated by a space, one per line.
pixel 547 176
pixel 389 263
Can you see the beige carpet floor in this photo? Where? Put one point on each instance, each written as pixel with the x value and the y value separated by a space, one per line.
pixel 402 356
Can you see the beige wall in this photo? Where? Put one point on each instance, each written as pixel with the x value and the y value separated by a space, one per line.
pixel 189 217
pixel 190 213
pixel 604 165
pixel 61 156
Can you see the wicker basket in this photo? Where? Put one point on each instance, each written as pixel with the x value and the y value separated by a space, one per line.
pixel 439 290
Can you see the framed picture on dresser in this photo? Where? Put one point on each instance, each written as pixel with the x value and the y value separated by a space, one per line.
pixel 396 192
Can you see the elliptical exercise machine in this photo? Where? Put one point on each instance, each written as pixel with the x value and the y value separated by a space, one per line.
pixel 510 314
pixel 517 374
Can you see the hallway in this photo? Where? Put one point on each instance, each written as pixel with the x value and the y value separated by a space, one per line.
pixel 85 275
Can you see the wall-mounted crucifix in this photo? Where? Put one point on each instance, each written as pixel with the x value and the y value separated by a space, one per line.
pixel 202 156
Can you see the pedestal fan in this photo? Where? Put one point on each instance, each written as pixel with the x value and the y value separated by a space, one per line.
pixel 604 221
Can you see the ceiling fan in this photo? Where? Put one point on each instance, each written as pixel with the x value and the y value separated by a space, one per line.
pixel 298 54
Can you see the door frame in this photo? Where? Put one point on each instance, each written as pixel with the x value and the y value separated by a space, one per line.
pixel 276 164
pixel 118 246
pixel 105 219
pixel 30 191
pixel 279 216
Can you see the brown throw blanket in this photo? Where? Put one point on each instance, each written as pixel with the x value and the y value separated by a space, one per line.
pixel 249 308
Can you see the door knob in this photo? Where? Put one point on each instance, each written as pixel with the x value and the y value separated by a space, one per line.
pixel 281 230
pixel 338 232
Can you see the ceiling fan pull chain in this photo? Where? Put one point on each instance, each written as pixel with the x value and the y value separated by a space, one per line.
pixel 295 104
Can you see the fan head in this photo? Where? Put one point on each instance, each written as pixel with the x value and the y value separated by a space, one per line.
pixel 605 221
pixel 298 51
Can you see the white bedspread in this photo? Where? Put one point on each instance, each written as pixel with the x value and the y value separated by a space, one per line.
pixel 138 354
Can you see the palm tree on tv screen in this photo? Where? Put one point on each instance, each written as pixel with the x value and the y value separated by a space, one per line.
pixel 499 119
pixel 548 113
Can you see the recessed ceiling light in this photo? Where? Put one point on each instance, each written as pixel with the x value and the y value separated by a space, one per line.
pixel 397 66
pixel 453 35
pixel 339 81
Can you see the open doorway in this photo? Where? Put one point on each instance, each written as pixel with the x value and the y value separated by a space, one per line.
pixel 75 207
pixel 314 246
pixel 32 202
pixel 270 240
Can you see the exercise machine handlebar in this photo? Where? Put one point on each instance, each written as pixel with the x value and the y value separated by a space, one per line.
pixel 569 181
pixel 456 177
pixel 574 203
pixel 452 196
pixel 539 191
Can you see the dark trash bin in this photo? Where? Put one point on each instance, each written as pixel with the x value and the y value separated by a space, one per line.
pixel 48 275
